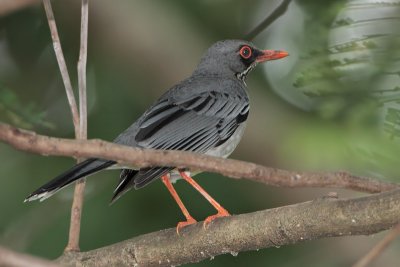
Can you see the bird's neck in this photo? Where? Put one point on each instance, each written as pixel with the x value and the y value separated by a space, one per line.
pixel 219 76
pixel 213 67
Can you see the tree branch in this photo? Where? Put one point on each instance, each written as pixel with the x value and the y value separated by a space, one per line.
pixel 292 224
pixel 82 69
pixel 378 248
pixel 79 120
pixel 129 156
pixel 77 203
pixel 306 221
pixel 62 65
pixel 279 11
pixel 14 259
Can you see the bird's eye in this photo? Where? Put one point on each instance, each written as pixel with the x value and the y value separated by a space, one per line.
pixel 245 52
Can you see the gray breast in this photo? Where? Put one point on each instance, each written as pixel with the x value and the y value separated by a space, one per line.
pixel 222 151
pixel 229 146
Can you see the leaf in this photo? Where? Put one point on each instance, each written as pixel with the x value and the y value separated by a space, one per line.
pixel 21 114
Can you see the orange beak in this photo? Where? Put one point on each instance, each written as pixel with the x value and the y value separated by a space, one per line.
pixel 271 55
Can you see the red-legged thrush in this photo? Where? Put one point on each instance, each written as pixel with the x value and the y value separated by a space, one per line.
pixel 205 113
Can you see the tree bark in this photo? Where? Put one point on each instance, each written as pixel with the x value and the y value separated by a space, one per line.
pixel 136 157
pixel 11 258
pixel 321 218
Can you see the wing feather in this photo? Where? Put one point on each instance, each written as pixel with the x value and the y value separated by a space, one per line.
pixel 196 123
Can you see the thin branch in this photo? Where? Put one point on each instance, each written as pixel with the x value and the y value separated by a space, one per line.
pixel 129 156
pixel 82 69
pixel 379 248
pixel 292 224
pixel 62 65
pixel 279 11
pixel 77 203
pixel 14 259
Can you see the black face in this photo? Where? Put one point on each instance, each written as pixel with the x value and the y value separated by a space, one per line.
pixel 230 57
pixel 248 54
pixel 234 58
pixel 248 58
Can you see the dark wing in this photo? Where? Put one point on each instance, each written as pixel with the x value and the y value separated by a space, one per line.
pixel 128 177
pixel 197 123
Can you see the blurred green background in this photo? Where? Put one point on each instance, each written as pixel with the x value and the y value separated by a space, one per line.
pixel 332 105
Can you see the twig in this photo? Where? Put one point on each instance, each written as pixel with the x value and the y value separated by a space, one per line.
pixel 279 11
pixel 79 119
pixel 292 224
pixel 14 259
pixel 379 248
pixel 82 69
pixel 62 65
pixel 129 156
pixel 77 203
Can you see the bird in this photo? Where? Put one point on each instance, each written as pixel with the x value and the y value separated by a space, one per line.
pixel 205 113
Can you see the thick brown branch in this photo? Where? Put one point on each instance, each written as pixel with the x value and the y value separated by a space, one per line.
pixel 30 141
pixel 312 220
pixel 14 259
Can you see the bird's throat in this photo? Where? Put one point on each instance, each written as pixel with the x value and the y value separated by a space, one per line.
pixel 242 75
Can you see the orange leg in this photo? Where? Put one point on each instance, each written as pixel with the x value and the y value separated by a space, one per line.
pixel 221 211
pixel 189 219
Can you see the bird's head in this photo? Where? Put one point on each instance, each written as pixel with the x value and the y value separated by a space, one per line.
pixel 234 57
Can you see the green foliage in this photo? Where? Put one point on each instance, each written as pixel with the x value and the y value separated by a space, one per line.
pixel 132 65
pixel 392 122
pixel 353 61
pixel 25 115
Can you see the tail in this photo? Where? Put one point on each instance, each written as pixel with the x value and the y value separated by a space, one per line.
pixel 137 179
pixel 80 170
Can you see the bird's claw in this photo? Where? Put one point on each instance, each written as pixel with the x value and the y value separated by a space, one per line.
pixel 189 221
pixel 209 219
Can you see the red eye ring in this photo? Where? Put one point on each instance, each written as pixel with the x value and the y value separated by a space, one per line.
pixel 245 52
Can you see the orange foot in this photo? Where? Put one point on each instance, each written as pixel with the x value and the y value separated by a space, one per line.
pixel 209 219
pixel 189 221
